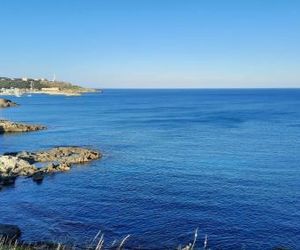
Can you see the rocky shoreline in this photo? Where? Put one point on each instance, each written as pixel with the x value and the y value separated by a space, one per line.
pixel 24 164
pixel 59 159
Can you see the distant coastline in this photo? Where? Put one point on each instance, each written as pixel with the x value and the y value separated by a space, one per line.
pixel 21 86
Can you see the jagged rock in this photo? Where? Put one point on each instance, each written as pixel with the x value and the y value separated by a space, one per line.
pixel 5 103
pixel 12 127
pixel 14 166
pixel 56 167
pixel 68 155
pixel 9 232
pixel 58 159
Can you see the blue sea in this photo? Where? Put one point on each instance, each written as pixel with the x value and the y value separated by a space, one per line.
pixel 224 161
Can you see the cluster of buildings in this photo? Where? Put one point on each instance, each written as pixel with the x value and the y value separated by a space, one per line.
pixel 11 91
pixel 23 79
pixel 4 90
pixel 14 90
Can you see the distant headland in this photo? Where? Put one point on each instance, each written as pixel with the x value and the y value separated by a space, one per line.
pixel 21 86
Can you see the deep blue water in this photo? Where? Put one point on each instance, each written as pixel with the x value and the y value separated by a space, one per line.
pixel 226 161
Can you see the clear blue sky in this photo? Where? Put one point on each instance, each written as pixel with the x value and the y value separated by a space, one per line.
pixel 153 43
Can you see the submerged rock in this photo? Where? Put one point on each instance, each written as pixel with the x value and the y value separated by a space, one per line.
pixel 9 232
pixel 7 180
pixel 13 127
pixel 38 176
pixel 5 103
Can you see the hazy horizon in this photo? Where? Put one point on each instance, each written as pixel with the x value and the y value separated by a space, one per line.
pixel 153 44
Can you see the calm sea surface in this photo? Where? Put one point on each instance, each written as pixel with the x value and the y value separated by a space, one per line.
pixel 225 161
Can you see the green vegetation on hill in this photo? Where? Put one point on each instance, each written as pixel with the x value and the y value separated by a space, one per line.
pixel 37 84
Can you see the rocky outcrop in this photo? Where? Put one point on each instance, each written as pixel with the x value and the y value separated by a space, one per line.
pixel 9 232
pixel 11 167
pixel 14 166
pixel 14 127
pixel 67 155
pixel 58 159
pixel 5 103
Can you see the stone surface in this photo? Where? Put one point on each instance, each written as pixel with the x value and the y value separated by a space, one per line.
pixel 56 167
pixel 69 155
pixel 13 127
pixel 14 166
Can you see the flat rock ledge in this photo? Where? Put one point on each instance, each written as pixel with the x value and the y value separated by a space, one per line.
pixel 60 159
pixel 5 103
pixel 15 127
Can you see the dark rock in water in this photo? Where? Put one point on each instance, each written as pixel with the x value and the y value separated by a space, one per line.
pixel 38 176
pixel 5 103
pixel 7 180
pixel 9 232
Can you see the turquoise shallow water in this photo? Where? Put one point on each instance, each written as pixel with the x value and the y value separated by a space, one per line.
pixel 226 161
